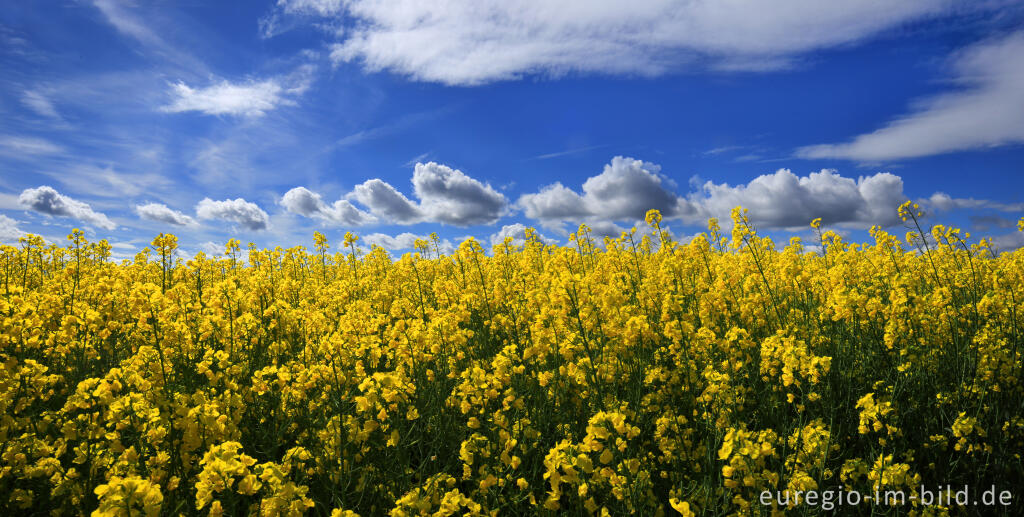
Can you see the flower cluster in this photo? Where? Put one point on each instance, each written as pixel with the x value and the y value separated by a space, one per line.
pixel 638 375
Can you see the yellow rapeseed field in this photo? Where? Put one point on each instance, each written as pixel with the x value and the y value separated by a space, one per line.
pixel 642 376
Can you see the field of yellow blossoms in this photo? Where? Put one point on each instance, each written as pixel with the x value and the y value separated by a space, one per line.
pixel 639 376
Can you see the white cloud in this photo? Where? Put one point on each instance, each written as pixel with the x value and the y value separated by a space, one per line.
pixel 9 202
pixel 624 190
pixel 518 233
pixel 567 152
pixel 601 229
pixel 555 202
pixel 1008 241
pixel 784 199
pixel 9 231
pixel 319 7
pixel 212 248
pixel 121 15
pixel 27 145
pixel 251 99
pixel 46 200
pixel 450 196
pixel 477 41
pixel 985 112
pixel 404 241
pixel 444 195
pixel 627 188
pixel 417 159
pixel 305 202
pixel 248 215
pixel 944 202
pixel 400 124
pixel 290 13
pixel 386 202
pixel 118 16
pixel 39 103
pixel 162 213
pixel 108 182
pixel 726 149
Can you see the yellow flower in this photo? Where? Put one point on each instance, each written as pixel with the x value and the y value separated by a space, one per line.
pixel 130 495
pixel 683 507
pixel 652 217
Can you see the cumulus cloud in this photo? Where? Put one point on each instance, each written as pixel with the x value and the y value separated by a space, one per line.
pixel 163 214
pixel 9 231
pixel 784 199
pixel 386 202
pixel 943 202
pixel 518 233
pixel 305 202
pixel 983 112
pixel 450 196
pixel 247 215
pixel 444 195
pixel 46 200
pixel 599 230
pixel 404 241
pixel 212 248
pixel 627 188
pixel 477 41
pixel 624 190
pixel 555 202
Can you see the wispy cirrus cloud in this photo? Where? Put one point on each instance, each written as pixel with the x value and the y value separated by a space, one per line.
pixel 39 103
pixel 567 152
pixel 472 42
pixel 984 112
pixel 944 202
pixel 249 98
pixel 123 16
pixel 14 145
pixel 400 124
pixel 107 182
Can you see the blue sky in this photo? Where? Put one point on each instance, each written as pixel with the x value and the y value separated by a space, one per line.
pixel 267 121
